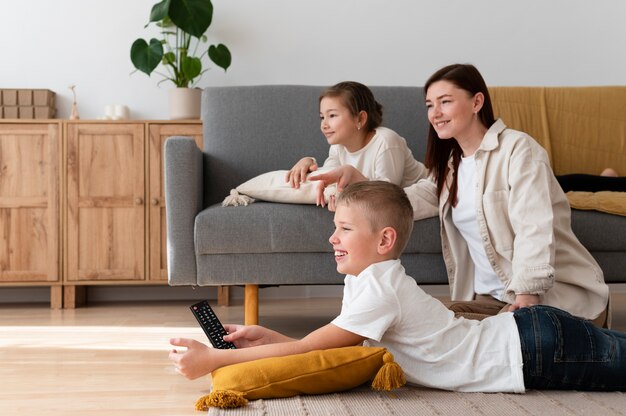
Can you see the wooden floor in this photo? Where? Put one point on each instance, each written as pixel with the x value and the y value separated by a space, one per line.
pixel 111 359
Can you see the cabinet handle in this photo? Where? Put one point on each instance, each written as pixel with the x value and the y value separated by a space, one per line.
pixel 155 201
pixel 139 201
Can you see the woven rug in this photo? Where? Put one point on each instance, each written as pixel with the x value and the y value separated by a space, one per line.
pixel 419 401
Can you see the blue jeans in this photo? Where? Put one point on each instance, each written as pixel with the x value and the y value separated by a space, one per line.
pixel 563 352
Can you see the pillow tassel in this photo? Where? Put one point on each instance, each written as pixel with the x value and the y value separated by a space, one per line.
pixel 390 376
pixel 236 199
pixel 224 399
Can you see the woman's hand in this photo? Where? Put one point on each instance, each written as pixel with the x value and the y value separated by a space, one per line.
pixel 523 301
pixel 343 176
pixel 300 170
pixel 197 361
pixel 244 336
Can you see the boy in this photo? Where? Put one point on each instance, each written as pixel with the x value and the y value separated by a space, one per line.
pixel 384 307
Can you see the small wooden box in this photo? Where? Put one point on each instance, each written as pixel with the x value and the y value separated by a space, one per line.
pixel 43 98
pixel 9 97
pixel 27 111
pixel 25 97
pixel 44 111
pixel 11 111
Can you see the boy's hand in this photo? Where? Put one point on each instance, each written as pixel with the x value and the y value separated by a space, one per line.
pixel 300 170
pixel 247 336
pixel 196 361
pixel 244 336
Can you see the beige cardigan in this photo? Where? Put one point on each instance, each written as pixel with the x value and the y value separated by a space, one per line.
pixel 524 221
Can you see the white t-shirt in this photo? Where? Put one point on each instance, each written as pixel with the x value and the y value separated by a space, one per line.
pixel 386 157
pixel 486 281
pixel 434 348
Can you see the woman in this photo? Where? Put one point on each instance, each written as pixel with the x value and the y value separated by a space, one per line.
pixel 505 222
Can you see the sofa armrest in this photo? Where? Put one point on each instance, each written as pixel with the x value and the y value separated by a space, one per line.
pixel 183 201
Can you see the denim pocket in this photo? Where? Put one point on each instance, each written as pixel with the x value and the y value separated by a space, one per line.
pixel 579 340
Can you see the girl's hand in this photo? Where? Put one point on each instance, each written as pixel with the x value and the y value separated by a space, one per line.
pixel 332 203
pixel 523 301
pixel 197 361
pixel 300 170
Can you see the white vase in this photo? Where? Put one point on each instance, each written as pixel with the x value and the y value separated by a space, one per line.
pixel 185 103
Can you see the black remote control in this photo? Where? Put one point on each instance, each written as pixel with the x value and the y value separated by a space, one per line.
pixel 211 325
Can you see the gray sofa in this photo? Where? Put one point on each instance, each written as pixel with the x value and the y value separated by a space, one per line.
pixel 250 130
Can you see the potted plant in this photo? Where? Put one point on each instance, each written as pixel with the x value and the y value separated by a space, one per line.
pixel 183 25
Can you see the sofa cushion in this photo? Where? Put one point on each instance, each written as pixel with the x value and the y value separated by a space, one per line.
pixel 593 227
pixel 265 227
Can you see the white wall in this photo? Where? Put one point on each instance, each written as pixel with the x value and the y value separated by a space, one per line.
pixel 55 43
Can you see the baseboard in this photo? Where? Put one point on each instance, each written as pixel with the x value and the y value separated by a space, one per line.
pixel 156 293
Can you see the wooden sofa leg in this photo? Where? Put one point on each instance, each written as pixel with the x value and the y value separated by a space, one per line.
pixel 223 295
pixel 251 305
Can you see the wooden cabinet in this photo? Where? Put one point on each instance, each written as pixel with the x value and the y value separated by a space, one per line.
pixel 105 202
pixel 30 205
pixel 82 203
pixel 116 202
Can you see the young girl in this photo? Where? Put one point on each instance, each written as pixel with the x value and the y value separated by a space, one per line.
pixel 351 122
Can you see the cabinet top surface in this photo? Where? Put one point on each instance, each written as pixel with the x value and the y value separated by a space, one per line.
pixel 129 121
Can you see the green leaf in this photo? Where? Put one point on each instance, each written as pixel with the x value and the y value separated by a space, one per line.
pixel 169 58
pixel 159 11
pixel 166 23
pixel 192 16
pixel 191 67
pixel 220 55
pixel 146 57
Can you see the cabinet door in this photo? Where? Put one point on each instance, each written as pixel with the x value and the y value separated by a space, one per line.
pixel 105 202
pixel 157 241
pixel 29 202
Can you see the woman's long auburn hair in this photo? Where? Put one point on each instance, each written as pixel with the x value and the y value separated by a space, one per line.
pixel 438 151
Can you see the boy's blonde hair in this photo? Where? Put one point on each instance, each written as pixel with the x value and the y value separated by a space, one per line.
pixel 384 205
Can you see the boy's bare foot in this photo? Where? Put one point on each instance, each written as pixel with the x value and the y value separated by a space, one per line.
pixel 609 172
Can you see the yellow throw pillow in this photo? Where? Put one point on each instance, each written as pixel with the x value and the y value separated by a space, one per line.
pixel 315 372
pixel 604 201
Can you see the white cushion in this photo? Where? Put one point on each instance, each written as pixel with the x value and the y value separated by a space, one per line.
pixel 271 186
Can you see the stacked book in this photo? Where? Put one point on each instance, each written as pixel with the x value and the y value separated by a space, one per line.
pixel 27 104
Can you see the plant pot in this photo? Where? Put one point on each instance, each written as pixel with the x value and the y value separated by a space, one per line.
pixel 185 103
